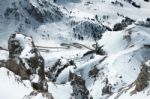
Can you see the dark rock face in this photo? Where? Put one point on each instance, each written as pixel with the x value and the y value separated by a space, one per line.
pixel 41 87
pixel 22 47
pixel 79 89
pixel 124 23
pixel 106 89
pixel 143 78
pixel 25 59
pixel 148 19
pixel 118 27
pixel 15 67
pixel 57 68
pixel 34 12
pixel 12 65
pixel 2 63
pixel 89 53
pixel 14 47
pixel 43 15
pixel 144 23
pixel 35 93
pixel 12 12
pixel 94 72
pixel 43 12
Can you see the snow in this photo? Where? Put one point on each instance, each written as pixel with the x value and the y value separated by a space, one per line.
pixel 121 65
pixel 4 55
pixel 60 91
pixel 11 85
pixel 26 43
pixel 34 78
pixel 110 40
pixel 128 95
pixel 122 61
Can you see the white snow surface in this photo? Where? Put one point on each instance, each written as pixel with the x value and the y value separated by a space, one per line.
pixel 121 65
pixel 11 85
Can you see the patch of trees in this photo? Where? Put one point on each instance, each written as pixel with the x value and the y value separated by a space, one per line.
pixel 136 5
pixel 124 23
pixel 145 23
pixel 89 30
pixel 133 3
pixel 146 0
pixel 117 3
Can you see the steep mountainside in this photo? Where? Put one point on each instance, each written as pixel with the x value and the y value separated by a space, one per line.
pixel 74 49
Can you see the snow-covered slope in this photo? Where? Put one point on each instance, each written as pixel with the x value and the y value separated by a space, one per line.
pixel 63 31
pixel 12 87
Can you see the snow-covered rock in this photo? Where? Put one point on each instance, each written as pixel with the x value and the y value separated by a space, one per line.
pixel 53 23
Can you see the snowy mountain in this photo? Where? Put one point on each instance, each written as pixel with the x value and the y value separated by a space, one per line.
pixel 74 49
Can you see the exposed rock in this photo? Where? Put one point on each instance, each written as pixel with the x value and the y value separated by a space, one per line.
pixel 22 48
pixel 18 69
pixel 144 23
pixel 41 87
pixel 148 19
pixel 25 59
pixel 12 12
pixel 124 23
pixel 79 89
pixel 143 78
pixel 107 89
pixel 94 72
pixel 2 63
pixel 89 53
pixel 57 68
pixel 25 10
pixel 42 15
pixel 33 94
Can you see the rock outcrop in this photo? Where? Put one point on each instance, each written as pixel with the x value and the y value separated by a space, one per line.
pixel 43 12
pixel 143 78
pixel 79 89
pixel 123 24
pixel 57 68
pixel 25 60
pixel 47 13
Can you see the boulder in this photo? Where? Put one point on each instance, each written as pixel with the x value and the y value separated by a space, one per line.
pixel 78 84
pixel 143 78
